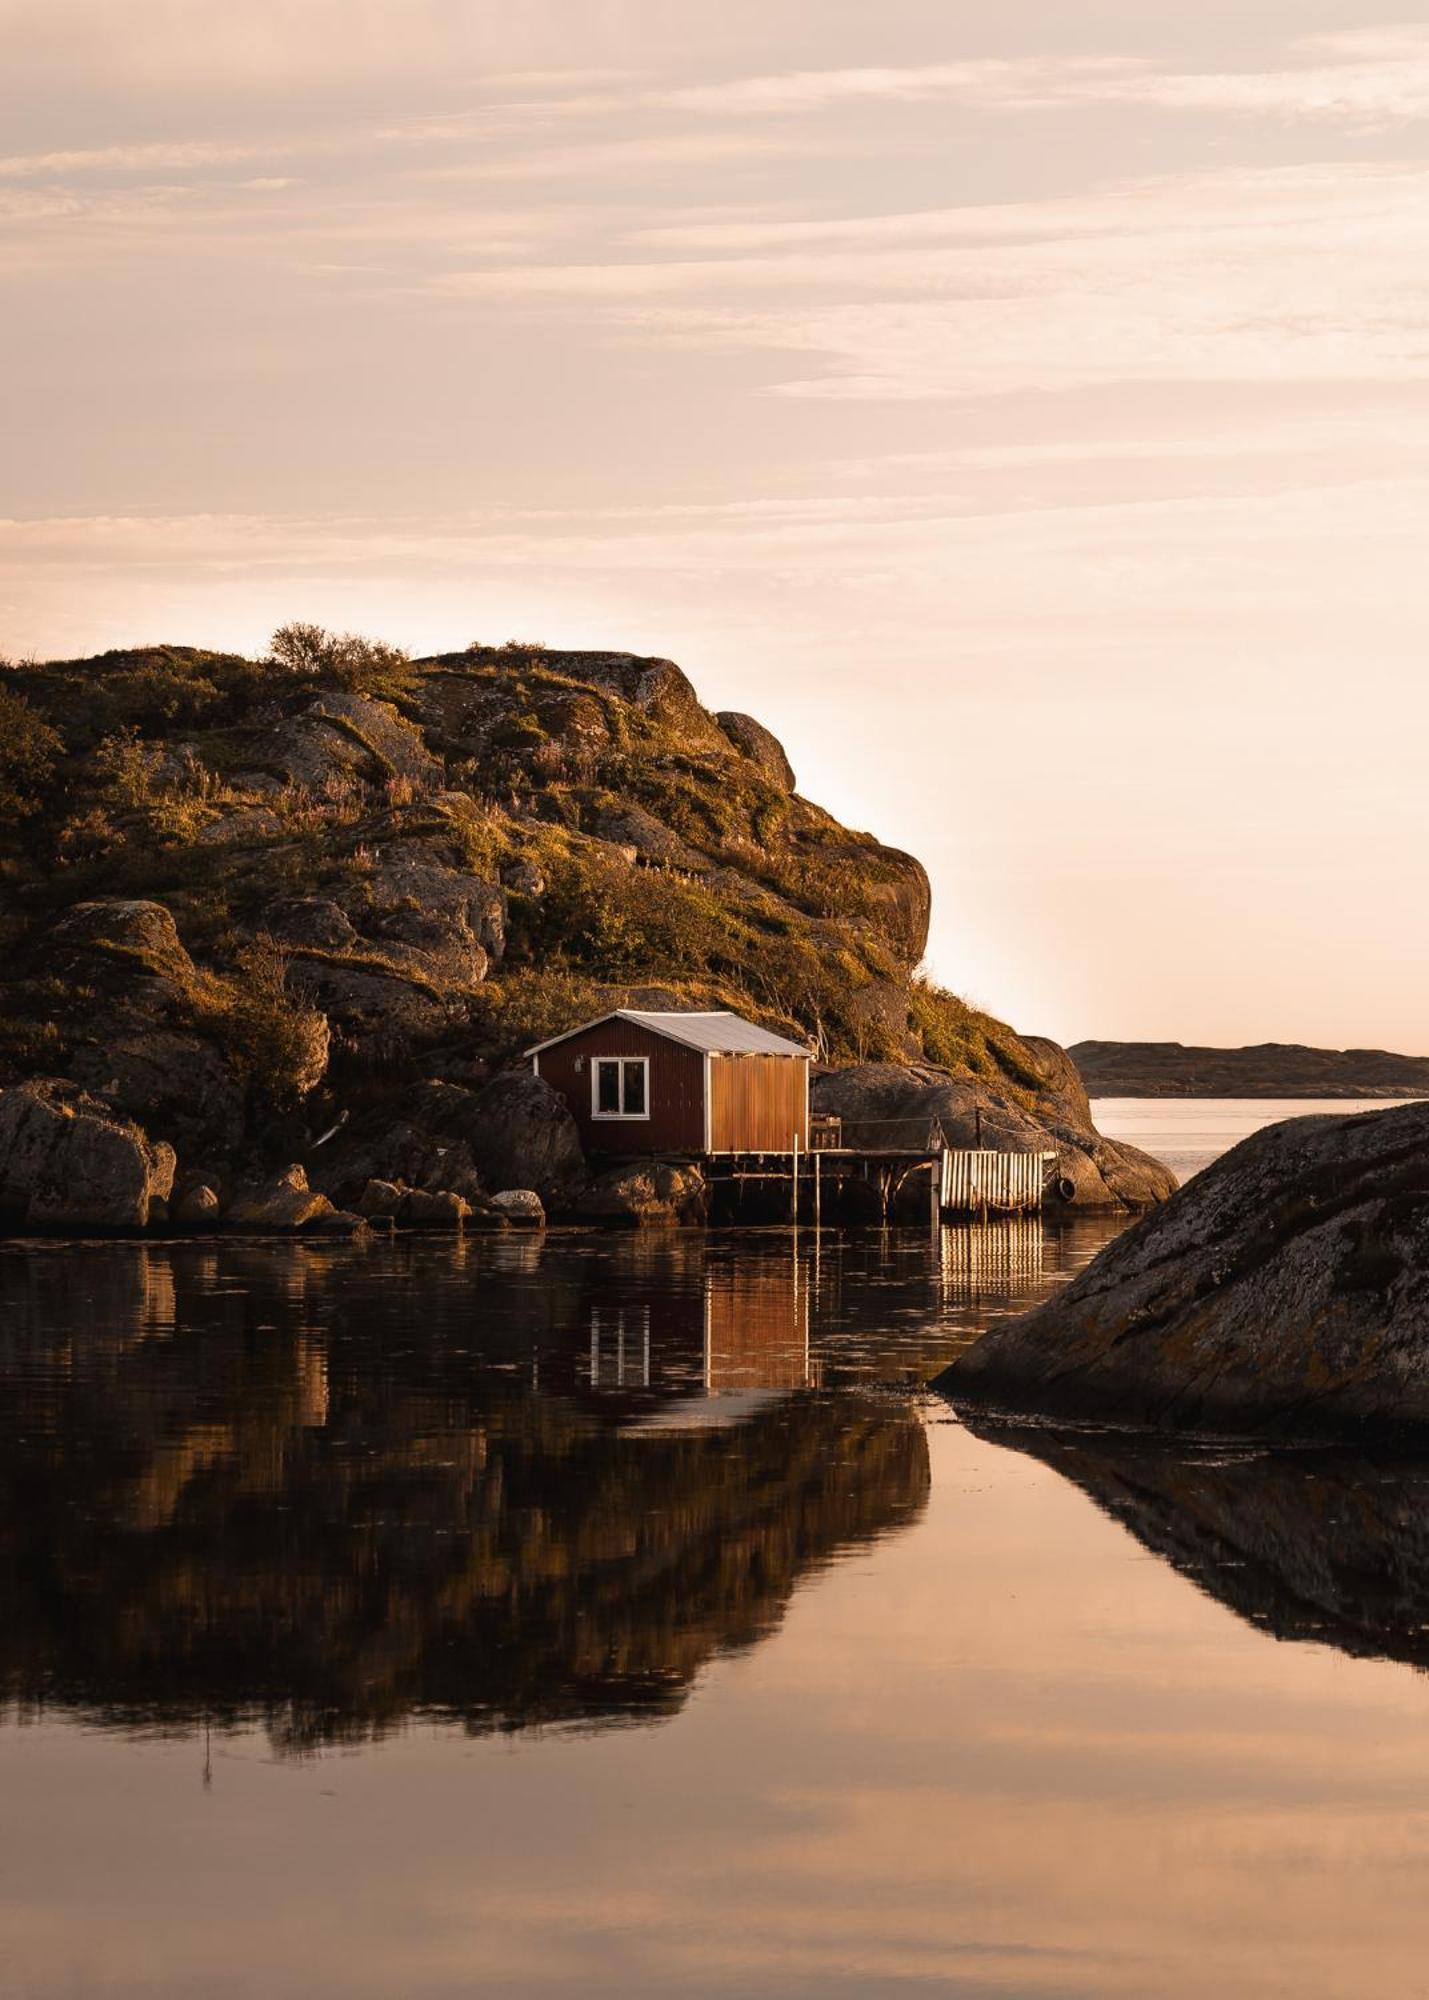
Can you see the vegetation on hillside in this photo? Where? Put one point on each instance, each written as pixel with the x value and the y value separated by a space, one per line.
pixel 467 852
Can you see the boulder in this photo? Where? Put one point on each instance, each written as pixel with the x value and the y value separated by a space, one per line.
pixel 144 1042
pixel 657 687
pixel 68 1161
pixel 433 1209
pixel 522 1135
pixel 382 1198
pixel 639 834
pixel 649 1194
pixel 411 940
pixel 127 953
pixel 521 1207
pixel 338 1222
pixel 341 739
pixel 420 1149
pixel 178 1082
pixel 197 1207
pixel 1285 1288
pixel 760 745
pixel 285 1202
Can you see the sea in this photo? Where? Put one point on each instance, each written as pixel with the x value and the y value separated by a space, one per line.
pixel 625 1616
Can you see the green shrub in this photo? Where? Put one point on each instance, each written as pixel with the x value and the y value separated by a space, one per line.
pixel 277 1043
pixel 343 660
pixel 29 749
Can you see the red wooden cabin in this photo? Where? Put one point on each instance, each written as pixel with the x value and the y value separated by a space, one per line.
pixel 692 1084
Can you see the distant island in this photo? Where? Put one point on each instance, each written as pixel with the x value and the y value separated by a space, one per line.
pixel 1270 1069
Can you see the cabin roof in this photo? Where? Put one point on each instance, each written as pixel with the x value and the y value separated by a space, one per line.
pixel 716 1034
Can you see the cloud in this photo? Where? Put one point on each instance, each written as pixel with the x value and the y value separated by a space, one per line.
pixel 984 84
pixel 1311 274
pixel 149 158
pixel 1370 77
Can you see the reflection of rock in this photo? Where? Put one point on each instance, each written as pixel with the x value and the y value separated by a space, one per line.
pixel 1331 1546
pixel 1285 1286
pixel 330 1533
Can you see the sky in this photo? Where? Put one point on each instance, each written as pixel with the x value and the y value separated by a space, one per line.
pixel 1022 410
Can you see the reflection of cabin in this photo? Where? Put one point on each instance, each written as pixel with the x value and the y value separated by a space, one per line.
pixel 697 1084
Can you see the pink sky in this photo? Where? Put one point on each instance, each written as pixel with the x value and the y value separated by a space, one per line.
pixel 1022 409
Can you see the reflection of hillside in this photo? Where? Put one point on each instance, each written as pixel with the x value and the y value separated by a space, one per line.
pixel 276 1482
pixel 1324 1545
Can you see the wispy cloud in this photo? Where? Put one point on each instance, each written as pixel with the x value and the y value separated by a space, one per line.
pixel 996 85
pixel 1370 77
pixel 165 157
pixel 1307 274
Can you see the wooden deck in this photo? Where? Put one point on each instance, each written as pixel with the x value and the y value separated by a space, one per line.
pixel 960 1182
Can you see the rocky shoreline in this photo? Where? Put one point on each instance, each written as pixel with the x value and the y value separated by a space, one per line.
pixel 275 934
pixel 1284 1290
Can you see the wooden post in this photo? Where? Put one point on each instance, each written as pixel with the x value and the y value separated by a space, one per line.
pixel 794 1194
pixel 818 1189
pixel 935 1191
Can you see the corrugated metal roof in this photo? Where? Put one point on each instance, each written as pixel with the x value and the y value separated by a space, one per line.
pixel 717 1034
pixel 722 1034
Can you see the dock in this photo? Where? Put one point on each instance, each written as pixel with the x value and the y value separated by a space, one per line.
pixel 961 1181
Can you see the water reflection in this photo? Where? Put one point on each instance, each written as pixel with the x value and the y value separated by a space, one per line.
pixel 504 1484
pixel 1329 1545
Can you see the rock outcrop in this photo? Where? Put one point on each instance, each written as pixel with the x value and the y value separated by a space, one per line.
pixel 1285 1288
pixel 522 1135
pixel 69 1162
pixel 889 1104
pixel 649 1194
pixel 309 907
pixel 760 745
pixel 284 1202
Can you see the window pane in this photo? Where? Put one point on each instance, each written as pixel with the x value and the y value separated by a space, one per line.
pixel 607 1086
pixel 635 1089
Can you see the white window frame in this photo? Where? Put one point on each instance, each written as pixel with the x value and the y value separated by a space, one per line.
pixel 612 1117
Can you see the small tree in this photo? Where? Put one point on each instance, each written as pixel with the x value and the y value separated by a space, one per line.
pixel 28 749
pixel 277 1043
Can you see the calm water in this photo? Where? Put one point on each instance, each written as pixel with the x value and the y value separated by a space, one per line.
pixel 599 1617
pixel 1189 1133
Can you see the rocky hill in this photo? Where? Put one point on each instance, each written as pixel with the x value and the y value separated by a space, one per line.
pixel 1271 1069
pixel 243 902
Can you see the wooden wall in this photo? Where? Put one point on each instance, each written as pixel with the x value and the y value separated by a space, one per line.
pixel 677 1090
pixel 758 1104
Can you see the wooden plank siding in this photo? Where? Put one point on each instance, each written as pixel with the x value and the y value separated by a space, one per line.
pixel 676 1101
pixel 758 1104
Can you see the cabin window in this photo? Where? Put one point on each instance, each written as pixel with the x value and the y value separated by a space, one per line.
pixel 620 1087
